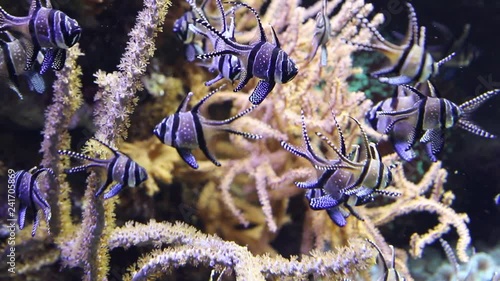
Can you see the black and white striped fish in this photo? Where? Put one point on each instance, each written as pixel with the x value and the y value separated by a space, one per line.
pixel 346 181
pixel 120 168
pixel 29 196
pixel 465 52
pixel 228 66
pixel 46 28
pixel 261 59
pixel 183 29
pixel 410 62
pixel 187 130
pixel 427 119
pixel 390 273
pixel 359 177
pixel 322 34
pixel 12 62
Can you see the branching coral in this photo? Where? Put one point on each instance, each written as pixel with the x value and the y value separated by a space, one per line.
pixel 247 199
pixel 438 202
pixel 188 245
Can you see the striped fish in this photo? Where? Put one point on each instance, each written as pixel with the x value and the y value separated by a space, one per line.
pixel 183 29
pixel 45 28
pixel 348 180
pixel 261 59
pixel 359 177
pixel 390 272
pixel 410 62
pixel 401 134
pixel 29 196
pixel 465 52
pixel 187 130
pixel 322 34
pixel 228 66
pixel 427 119
pixel 120 168
pixel 12 62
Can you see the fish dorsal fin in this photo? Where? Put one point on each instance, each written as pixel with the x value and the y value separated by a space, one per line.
pixel 197 106
pixel 384 262
pixel 197 10
pixel 421 39
pixel 444 60
pixel 433 92
pixel 415 91
pixel 114 151
pixel 351 164
pixel 263 37
pixel 223 15
pixel 343 149
pixel 275 38
pixel 37 4
pixel 374 152
pixel 307 141
pixel 212 29
pixel 412 33
pixel 184 103
pixel 41 170
pixel 366 143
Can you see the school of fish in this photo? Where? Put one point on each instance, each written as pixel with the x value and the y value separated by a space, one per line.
pixel 415 113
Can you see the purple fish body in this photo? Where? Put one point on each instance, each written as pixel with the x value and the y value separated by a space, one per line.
pixel 261 59
pixel 119 168
pixel 426 119
pixel 45 28
pixel 12 63
pixel 346 181
pixel 187 130
pixel 30 197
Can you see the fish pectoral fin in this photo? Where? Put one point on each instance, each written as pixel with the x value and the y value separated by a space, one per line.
pixel 323 202
pixel 54 58
pixel 214 80
pixel 404 150
pixel 403 136
pixel 109 180
pixel 31 55
pixel 188 157
pixel 190 52
pixel 47 60
pixel 243 80
pixel 396 80
pixel 434 140
pixel 59 59
pixel 113 190
pixel 337 216
pixel 261 91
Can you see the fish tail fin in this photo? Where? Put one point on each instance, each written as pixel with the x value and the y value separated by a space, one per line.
pixel 475 129
pixel 473 104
